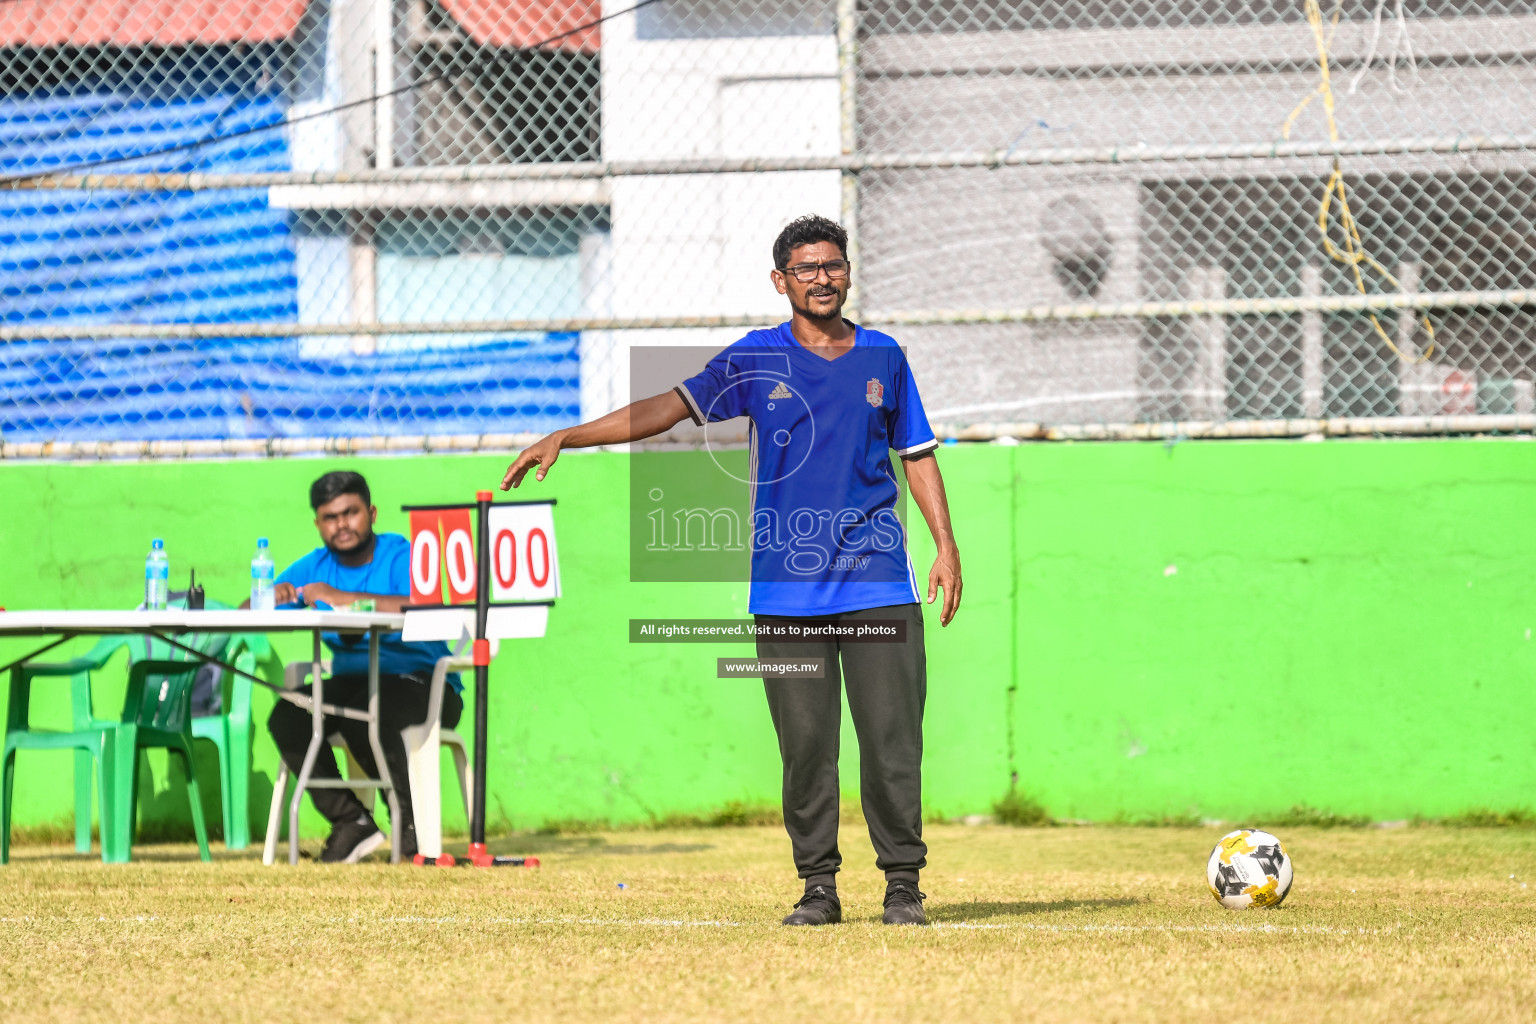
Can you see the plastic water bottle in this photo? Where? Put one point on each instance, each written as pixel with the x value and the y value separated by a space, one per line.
pixel 157 577
pixel 263 577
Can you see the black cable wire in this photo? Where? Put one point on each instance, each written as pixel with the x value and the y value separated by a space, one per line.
pixel 258 129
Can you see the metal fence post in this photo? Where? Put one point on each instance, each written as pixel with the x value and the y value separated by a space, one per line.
pixel 848 127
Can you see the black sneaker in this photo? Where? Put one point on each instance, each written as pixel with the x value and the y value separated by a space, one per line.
pixel 817 906
pixel 351 841
pixel 904 904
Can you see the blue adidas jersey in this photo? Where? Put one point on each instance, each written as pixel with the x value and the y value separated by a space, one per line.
pixel 826 534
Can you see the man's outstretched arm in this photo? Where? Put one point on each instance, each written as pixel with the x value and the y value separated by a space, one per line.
pixel 635 422
pixel 926 486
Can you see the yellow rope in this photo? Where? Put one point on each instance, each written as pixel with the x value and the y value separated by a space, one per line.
pixel 1353 254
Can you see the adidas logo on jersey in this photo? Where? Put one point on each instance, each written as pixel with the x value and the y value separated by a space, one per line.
pixel 780 392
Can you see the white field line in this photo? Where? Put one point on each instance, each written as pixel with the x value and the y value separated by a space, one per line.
pixel 658 922
pixel 1276 929
pixel 628 923
pixel 31 919
pixel 599 922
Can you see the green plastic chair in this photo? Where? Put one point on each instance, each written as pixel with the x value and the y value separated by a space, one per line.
pixel 88 743
pixel 229 731
pixel 157 712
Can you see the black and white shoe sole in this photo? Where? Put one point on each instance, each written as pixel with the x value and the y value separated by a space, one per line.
pixel 366 847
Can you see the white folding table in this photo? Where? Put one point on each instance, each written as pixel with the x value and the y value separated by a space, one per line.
pixel 163 625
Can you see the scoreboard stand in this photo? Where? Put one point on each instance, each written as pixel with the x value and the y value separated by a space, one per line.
pixel 498 585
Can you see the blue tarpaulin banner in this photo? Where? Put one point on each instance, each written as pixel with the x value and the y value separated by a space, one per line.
pixel 74 257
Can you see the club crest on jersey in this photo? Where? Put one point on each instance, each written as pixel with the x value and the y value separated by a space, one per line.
pixel 874 392
pixel 780 392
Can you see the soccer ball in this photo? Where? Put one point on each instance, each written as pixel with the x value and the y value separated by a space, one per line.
pixel 1249 869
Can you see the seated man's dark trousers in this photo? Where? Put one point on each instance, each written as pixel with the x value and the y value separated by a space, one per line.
pixel 887 684
pixel 402 703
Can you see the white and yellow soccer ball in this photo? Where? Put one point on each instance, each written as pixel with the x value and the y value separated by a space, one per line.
pixel 1249 868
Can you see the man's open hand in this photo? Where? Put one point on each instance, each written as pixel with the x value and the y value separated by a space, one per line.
pixel 946 574
pixel 541 453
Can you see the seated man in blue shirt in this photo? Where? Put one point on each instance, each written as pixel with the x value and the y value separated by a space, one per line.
pixel 357 564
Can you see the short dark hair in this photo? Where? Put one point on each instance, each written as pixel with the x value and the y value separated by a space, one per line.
pixel 333 485
pixel 807 230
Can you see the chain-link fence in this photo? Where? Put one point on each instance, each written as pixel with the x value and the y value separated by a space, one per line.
pixel 270 225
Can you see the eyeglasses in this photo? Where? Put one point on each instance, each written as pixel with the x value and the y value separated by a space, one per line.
pixel 805 273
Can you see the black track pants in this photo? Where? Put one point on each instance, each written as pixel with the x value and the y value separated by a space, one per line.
pixel 887 685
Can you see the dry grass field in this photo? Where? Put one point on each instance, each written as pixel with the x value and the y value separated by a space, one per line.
pixel 1051 924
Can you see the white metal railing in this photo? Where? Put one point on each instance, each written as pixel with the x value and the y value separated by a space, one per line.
pixel 1364 426
pixel 849 162
pixel 1278 305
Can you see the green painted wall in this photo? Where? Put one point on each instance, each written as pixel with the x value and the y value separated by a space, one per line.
pixel 1349 626
pixel 1221 628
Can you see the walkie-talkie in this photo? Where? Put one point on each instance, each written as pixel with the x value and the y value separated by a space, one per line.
pixel 194 594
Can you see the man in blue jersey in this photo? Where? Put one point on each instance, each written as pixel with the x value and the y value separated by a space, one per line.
pixel 828 402
pixel 353 563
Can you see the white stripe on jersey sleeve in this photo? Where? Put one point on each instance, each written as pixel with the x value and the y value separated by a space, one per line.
pixel 918 449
